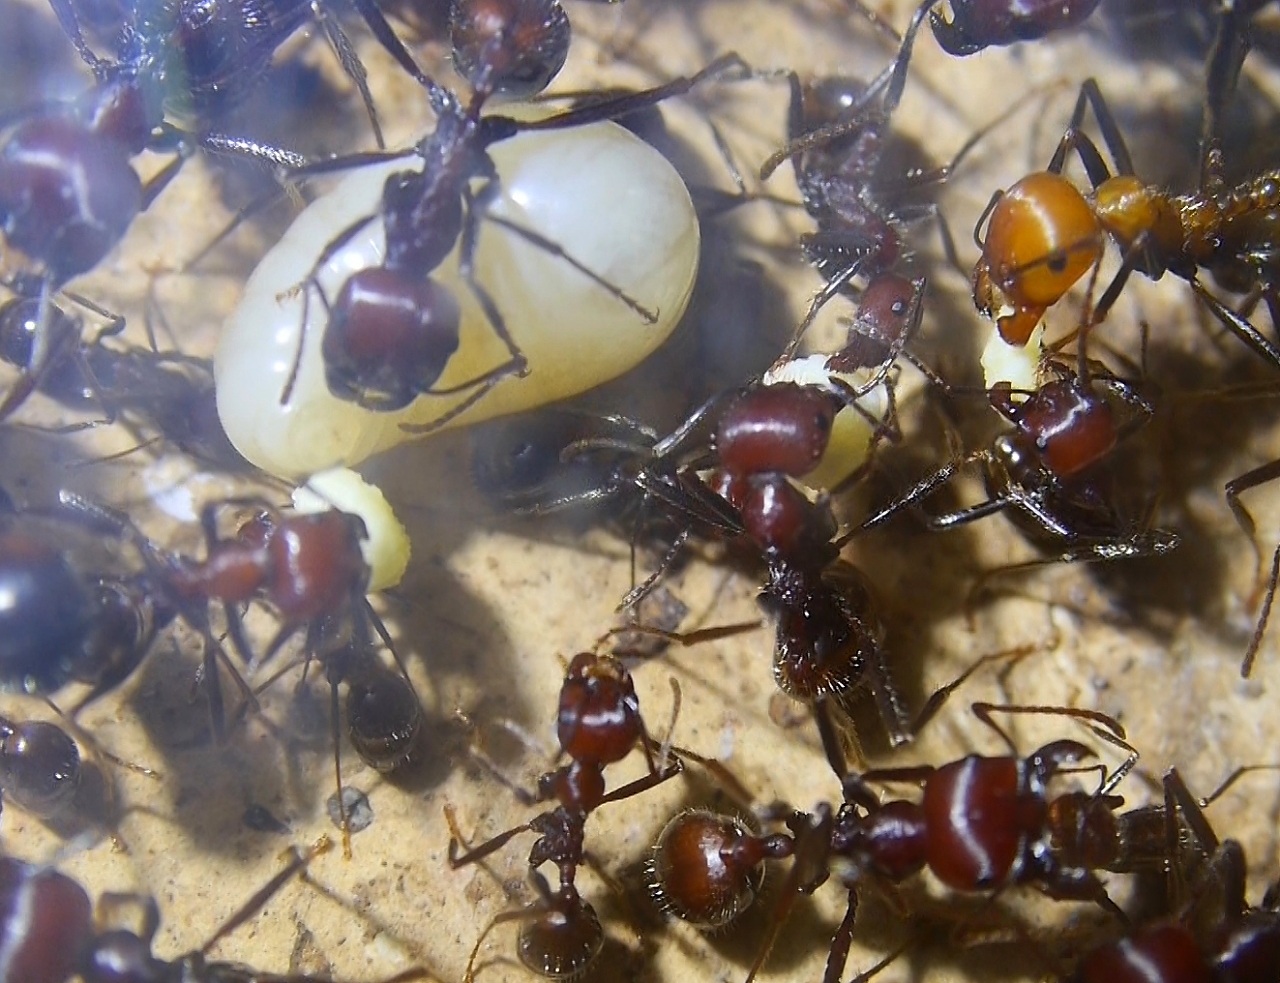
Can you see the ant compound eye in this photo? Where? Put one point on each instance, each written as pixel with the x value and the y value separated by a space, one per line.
pixel 562 185
pixel 1041 239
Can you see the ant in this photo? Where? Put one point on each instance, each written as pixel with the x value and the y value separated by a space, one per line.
pixel 392 328
pixel 39 766
pixel 598 723
pixel 1044 234
pixel 1047 473
pixel 50 934
pixel 983 824
pixel 164 391
pixel 1217 935
pixel 202 62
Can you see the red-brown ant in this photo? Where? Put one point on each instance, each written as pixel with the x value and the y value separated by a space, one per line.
pixel 391 330
pixel 598 724
pixel 1217 936
pixel 982 824
pixel 50 935
pixel 1048 472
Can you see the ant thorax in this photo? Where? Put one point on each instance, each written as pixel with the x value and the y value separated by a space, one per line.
pixel 606 198
pixel 853 435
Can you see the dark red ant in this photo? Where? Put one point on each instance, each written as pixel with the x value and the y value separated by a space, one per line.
pixel 1047 473
pixel 50 935
pixel 163 393
pixel 392 329
pixel 1217 937
pixel 983 824
pixel 598 724
pixel 200 62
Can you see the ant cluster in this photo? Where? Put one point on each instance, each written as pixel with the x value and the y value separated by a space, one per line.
pixel 185 544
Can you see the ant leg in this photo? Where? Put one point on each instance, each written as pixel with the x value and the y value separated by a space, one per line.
pixel 343 819
pixel 352 66
pixel 641 590
pixel 1264 615
pixel 1222 73
pixel 390 41
pixel 558 251
pixel 1074 138
pixel 913 496
pixel 832 747
pixel 1067 752
pixel 808 868
pixel 838 956
pixel 1240 326
pixel 1236 487
pixel 642 785
pixel 941 695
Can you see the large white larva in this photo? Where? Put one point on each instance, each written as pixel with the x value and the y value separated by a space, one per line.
pixel 607 198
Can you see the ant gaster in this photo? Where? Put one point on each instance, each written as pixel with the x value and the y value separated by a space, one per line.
pixel 49 933
pixel 983 823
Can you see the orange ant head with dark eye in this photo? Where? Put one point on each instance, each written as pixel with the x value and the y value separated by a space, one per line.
pixel 1042 237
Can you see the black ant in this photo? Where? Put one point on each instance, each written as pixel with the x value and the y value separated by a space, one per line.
pixel 392 328
pixel 598 724
pixel 982 824
pixel 51 937
pixel 164 392
pixel 1217 935
pixel 39 765
pixel 1048 473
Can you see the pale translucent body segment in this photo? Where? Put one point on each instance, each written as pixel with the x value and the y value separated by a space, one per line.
pixel 387 547
pixel 1018 365
pixel 607 198
pixel 853 436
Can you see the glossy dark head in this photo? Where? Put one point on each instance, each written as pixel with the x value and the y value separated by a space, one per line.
pixel 780 428
pixel 317 564
pixel 388 338
pixel 1072 426
pixel 512 48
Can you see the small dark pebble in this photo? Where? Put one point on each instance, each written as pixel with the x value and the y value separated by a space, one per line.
pixel 359 812
pixel 258 817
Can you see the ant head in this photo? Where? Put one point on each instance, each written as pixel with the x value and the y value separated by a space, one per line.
pixel 1072 427
pixel 117 110
pixel 39 766
pixel 599 716
pixel 779 428
pixel 1042 237
pixel 705 868
pixel 388 338
pixel 509 47
pixel 563 938
pixel 316 564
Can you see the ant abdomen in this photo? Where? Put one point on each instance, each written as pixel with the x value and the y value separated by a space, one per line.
pixel 39 766
pixel 563 940
pixel 67 194
pixel 384 720
pixel 46 919
pixel 979 24
pixel 780 428
pixel 706 868
pixel 1163 954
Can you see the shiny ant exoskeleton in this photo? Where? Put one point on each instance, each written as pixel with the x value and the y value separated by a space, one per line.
pixel 39 765
pixel 392 328
pixel 598 723
pixel 1049 472
pixel 50 934
pixel 1217 934
pixel 153 393
pixel 982 824
pixel 1044 234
